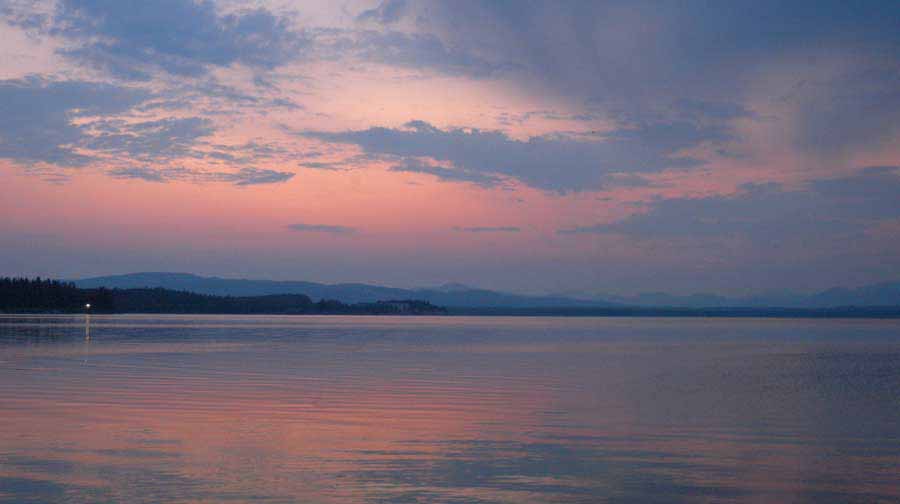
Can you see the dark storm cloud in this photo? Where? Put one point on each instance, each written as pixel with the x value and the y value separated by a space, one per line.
pixel 181 37
pixel 36 117
pixel 321 228
pixel 550 162
pixel 243 177
pixel 823 209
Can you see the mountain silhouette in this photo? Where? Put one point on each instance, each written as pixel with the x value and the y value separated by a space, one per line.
pixel 451 295
pixel 459 295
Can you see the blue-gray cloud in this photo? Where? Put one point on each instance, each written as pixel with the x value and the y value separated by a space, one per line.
pixel 596 47
pixel 146 174
pixel 420 51
pixel 321 165
pixel 218 98
pixel 242 177
pixel 872 192
pixel 488 229
pixel 24 14
pixel 130 38
pixel 388 11
pixel 256 176
pixel 640 61
pixel 630 180
pixel 826 209
pixel 73 123
pixel 551 162
pixel 855 111
pixel 148 140
pixel 36 117
pixel 241 154
pixel 322 228
pixel 414 165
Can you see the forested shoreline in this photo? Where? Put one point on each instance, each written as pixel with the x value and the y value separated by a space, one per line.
pixel 23 295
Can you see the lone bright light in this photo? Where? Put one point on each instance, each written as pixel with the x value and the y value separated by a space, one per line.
pixel 88 306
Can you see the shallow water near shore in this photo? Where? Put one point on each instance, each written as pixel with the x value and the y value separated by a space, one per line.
pixel 322 409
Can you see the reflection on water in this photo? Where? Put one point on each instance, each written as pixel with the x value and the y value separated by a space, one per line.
pixel 447 410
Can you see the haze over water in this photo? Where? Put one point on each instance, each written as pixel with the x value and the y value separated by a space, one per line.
pixel 447 410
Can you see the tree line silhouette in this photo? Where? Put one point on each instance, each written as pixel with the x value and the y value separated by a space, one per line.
pixel 39 294
pixel 23 295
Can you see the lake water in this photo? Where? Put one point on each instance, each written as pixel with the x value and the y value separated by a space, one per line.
pixel 198 409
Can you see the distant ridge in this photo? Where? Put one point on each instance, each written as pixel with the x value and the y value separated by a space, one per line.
pixel 450 295
pixel 885 294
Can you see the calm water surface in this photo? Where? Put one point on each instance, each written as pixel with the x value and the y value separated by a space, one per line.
pixel 161 409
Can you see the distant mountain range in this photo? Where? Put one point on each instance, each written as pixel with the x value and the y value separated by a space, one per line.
pixel 881 294
pixel 458 295
pixel 449 295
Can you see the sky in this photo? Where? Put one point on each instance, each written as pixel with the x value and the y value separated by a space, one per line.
pixel 532 146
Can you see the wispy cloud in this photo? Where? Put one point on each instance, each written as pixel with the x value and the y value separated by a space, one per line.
pixel 822 209
pixel 37 117
pixel 322 228
pixel 551 162
pixel 256 176
pixel 388 11
pixel 148 140
pixel 146 174
pixel 320 165
pixel 414 165
pixel 243 177
pixel 488 229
